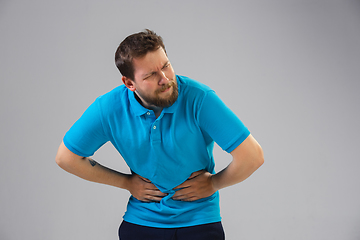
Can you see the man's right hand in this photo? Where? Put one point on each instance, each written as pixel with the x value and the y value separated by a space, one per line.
pixel 143 190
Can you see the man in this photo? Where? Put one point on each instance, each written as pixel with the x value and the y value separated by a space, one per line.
pixel 164 126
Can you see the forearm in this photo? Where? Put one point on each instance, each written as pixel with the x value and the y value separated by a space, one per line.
pixel 234 173
pixel 247 158
pixel 89 169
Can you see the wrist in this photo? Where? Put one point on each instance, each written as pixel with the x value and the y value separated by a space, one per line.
pixel 215 182
pixel 126 182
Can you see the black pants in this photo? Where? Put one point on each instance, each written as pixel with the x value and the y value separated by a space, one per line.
pixel 211 231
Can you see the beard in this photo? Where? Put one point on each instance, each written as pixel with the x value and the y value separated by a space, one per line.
pixel 159 101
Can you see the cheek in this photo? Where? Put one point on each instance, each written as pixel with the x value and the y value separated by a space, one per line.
pixel 150 87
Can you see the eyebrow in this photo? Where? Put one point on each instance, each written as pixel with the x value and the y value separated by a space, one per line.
pixel 149 73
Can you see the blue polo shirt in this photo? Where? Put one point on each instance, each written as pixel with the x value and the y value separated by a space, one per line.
pixel 165 150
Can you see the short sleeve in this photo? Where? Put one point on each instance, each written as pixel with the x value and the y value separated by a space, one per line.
pixel 220 123
pixel 87 134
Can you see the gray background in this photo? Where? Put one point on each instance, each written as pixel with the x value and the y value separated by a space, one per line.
pixel 289 69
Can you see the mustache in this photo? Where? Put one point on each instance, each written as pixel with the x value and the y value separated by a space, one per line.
pixel 166 86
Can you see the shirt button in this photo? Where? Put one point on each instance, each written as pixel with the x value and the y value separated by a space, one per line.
pixel 148 113
pixel 154 127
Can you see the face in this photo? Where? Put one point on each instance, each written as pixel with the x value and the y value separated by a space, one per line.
pixel 154 80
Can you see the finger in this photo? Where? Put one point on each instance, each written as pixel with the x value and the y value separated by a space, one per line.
pixel 184 193
pixel 188 182
pixel 144 179
pixel 190 199
pixel 158 194
pixel 153 198
pixel 150 186
pixel 186 198
pixel 180 186
pixel 195 174
pixel 185 184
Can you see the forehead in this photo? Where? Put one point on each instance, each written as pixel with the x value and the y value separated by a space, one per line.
pixel 152 61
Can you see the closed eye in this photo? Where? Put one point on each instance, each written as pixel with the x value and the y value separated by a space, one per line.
pixel 166 65
pixel 148 76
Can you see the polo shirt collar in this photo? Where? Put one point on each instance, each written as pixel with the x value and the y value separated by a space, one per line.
pixel 136 107
pixel 139 110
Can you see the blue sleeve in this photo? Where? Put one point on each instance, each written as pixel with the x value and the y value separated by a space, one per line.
pixel 220 123
pixel 87 134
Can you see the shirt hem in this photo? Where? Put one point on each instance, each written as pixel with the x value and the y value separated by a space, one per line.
pixel 171 225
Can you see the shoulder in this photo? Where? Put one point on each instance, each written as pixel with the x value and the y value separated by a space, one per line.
pixel 113 96
pixel 190 87
pixel 192 94
pixel 113 100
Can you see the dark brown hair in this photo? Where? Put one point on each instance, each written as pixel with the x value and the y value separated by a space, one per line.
pixel 135 46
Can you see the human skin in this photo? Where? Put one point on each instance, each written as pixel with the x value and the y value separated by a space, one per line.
pixel 152 73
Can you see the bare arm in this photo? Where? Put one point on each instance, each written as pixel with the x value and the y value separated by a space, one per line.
pixel 89 169
pixel 247 157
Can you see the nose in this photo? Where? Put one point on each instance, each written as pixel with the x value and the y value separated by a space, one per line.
pixel 164 79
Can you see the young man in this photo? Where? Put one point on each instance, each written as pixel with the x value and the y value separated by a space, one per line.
pixel 164 126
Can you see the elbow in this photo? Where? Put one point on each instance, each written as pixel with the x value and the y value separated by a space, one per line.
pixel 60 161
pixel 64 158
pixel 259 160
pixel 66 163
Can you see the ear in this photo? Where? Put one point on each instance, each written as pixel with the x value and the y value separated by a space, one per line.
pixel 128 83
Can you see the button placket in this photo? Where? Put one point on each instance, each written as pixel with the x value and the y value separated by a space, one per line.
pixel 155 132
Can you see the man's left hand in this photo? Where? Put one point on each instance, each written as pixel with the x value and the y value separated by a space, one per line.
pixel 198 185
